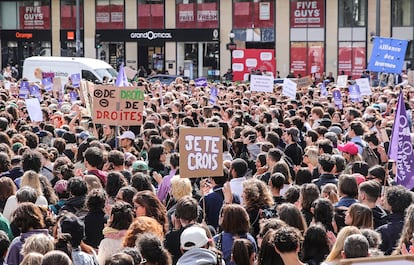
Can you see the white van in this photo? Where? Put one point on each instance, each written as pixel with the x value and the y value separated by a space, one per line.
pixel 90 69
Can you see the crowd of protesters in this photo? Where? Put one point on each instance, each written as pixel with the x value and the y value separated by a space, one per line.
pixel 304 182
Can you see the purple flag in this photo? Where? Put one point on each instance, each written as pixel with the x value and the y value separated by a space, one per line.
pixel 121 79
pixel 401 149
pixel 213 95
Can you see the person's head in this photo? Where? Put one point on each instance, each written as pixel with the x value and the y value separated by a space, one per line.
pixel 377 173
pixel 193 237
pixel 330 192
pixel 287 240
pixel 323 212
pixel 39 243
pixel 187 209
pixel 141 181
pixel 119 259
pixel 311 155
pixel 146 203
pixel 126 194
pixel 32 258
pixel 309 193
pixel 5 162
pixel 243 252
pixel 7 188
pixel 359 215
pixel 347 186
pixel 152 250
pixel 94 157
pixel 276 181
pixel 326 163
pixel 180 187
pixel 28 216
pixel 77 186
pixel 357 128
pixel 337 248
pixel 355 246
pixel 116 157
pixel 114 182
pixel 95 200
pixel 142 224
pixel 32 160
pixel 291 215
pixel 31 178
pixel 56 257
pixel 292 194
pixel 135 255
pixel 369 191
pixel 397 199
pixel 315 244
pixel 234 219
pixel 4 243
pixel 373 237
pixel 122 215
pixel 256 194
pixel 239 167
pixel 71 224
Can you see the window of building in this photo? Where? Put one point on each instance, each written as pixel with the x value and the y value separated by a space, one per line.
pixel 401 13
pixel 253 14
pixel 307 58
pixel 351 58
pixel 150 14
pixel 352 13
pixel 110 14
pixel 197 14
pixel 198 59
pixel 68 14
pixel 25 14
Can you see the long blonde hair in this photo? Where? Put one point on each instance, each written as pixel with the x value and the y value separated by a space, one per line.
pixel 31 178
pixel 335 253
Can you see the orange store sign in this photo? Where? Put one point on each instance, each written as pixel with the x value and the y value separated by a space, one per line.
pixel 20 35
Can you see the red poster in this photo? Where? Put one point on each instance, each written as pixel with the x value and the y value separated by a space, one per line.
pixel 264 15
pixel 351 60
pixel 185 15
pixel 34 17
pixel 298 52
pixel 207 15
pixel 316 59
pixel 151 16
pixel 244 61
pixel 307 14
pixel 243 15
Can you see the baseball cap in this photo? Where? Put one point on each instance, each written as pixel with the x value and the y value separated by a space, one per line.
pixel 139 165
pixel 128 135
pixel 61 186
pixel 193 237
pixel 350 148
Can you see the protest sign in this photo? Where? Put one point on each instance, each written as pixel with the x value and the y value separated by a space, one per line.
pixel 76 78
pixel 121 106
pixel 410 76
pixel 401 149
pixel 364 87
pixel 289 88
pixel 380 260
pixel 261 83
pixel 387 55
pixel 342 81
pixel 202 81
pixel 129 72
pixel 354 93
pixel 337 98
pixel 213 95
pixel 201 152
pixel 73 96
pixel 324 90
pixel 304 81
pixel 24 89
pixel 57 87
pixel 34 109
pixel 35 92
pixel 47 83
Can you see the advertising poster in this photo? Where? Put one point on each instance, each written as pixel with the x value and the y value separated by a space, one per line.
pixel 351 60
pixel 34 17
pixel 207 15
pixel 185 15
pixel 109 16
pixel 247 60
pixel 120 106
pixel 307 58
pixel 201 152
pixel 298 58
pixel 316 58
pixel 307 14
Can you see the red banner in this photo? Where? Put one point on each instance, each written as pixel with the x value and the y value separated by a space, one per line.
pixel 307 14
pixel 351 60
pixel 244 61
pixel 151 16
pixel 242 17
pixel 307 58
pixel 34 17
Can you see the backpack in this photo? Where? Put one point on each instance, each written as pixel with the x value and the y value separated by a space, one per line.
pixel 368 155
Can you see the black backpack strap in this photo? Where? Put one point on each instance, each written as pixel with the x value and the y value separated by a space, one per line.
pixel 219 241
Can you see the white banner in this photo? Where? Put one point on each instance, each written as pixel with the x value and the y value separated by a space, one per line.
pixel 261 83
pixel 289 88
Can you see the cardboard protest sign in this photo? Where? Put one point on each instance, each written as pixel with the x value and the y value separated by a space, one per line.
pixel 364 86
pixel 261 83
pixel 122 106
pixel 34 109
pixel 410 76
pixel 289 88
pixel 304 81
pixel 57 87
pixel 201 152
pixel 342 81
pixel 129 72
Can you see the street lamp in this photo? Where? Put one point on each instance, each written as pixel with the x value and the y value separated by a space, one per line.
pixel 231 36
pixel 231 46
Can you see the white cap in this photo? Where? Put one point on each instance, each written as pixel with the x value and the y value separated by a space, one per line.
pixel 128 135
pixel 193 237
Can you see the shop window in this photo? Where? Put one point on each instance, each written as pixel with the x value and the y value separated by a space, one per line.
pixel 253 14
pixel 25 14
pixel 307 58
pixel 351 58
pixel 197 14
pixel 110 14
pixel 352 13
pixel 68 14
pixel 150 14
pixel 401 11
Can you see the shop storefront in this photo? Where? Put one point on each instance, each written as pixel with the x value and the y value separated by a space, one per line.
pixel 197 50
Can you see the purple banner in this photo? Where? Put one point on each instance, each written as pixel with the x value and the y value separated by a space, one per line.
pixel 121 79
pixel 202 81
pixel 354 93
pixel 337 99
pixel 324 91
pixel 76 78
pixel 24 90
pixel 213 95
pixel 401 148
pixel 47 83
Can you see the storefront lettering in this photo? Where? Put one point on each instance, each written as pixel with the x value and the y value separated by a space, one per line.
pixel 150 35
pixel 20 35
pixel 207 15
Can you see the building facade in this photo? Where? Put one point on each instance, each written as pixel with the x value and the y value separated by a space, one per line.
pixel 192 37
